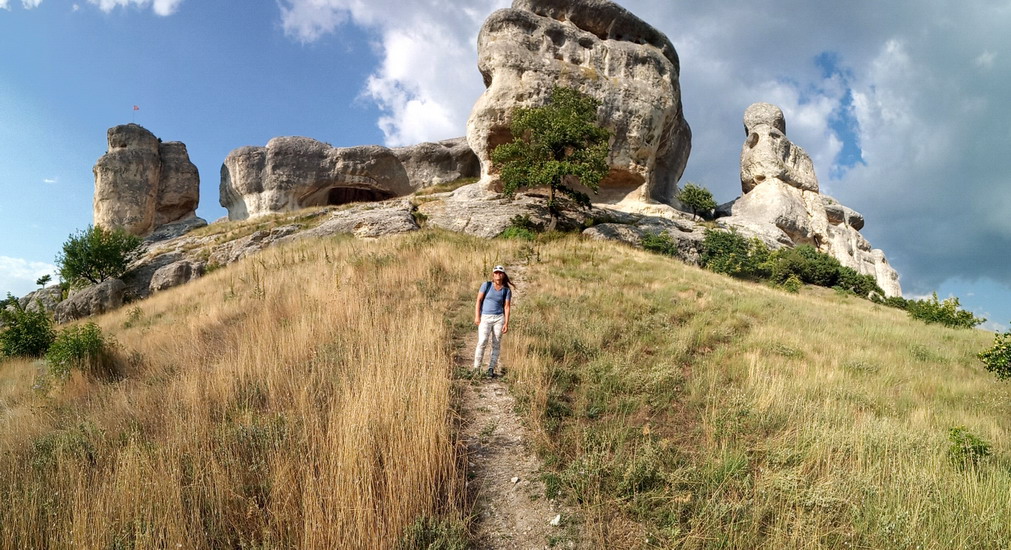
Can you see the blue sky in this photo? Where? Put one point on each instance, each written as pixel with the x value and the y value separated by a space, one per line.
pixel 902 105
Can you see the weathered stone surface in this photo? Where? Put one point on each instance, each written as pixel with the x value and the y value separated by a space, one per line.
pixel 368 220
pixel 768 155
pixel 687 235
pixel 234 251
pixel 175 274
pixel 445 161
pixel 606 52
pixel 175 229
pixel 292 173
pixel 44 298
pixel 141 183
pixel 474 210
pixel 782 204
pixel 94 300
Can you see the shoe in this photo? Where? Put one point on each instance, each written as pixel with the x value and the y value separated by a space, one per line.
pixel 491 373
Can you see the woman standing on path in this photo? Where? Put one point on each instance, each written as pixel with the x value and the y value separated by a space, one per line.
pixel 491 315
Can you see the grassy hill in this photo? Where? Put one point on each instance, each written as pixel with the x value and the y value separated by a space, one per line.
pixel 304 398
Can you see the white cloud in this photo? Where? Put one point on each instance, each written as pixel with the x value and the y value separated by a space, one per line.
pixel 50 180
pixel 985 59
pixel 428 78
pixel 160 7
pixel 29 4
pixel 18 276
pixel 4 6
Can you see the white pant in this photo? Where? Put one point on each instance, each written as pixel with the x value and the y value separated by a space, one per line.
pixel 491 325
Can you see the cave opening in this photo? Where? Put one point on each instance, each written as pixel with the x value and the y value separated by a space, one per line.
pixel 346 195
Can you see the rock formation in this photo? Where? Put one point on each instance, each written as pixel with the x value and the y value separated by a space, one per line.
pixel 142 183
pixel 292 173
pixel 782 203
pixel 606 52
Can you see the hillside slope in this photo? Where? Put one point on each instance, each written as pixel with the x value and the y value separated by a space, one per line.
pixel 303 398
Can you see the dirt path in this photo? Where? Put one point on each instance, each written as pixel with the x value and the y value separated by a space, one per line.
pixel 510 509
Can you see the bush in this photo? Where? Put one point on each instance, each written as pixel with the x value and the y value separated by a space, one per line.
pixel 96 254
pixel 729 253
pixel 998 358
pixel 24 333
pixel 520 227
pixel 945 312
pixel 696 197
pixel 966 450
pixel 660 243
pixel 80 347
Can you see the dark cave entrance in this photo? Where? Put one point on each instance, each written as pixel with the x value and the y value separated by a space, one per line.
pixel 345 195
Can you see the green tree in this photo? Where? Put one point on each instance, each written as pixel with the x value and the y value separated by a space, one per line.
pixel 696 197
pixel 44 280
pixel 947 312
pixel 998 358
pixel 24 332
pixel 96 254
pixel 557 146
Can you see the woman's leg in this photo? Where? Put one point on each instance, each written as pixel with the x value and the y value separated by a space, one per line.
pixel 483 331
pixel 496 341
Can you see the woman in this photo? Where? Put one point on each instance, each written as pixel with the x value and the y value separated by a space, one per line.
pixel 491 315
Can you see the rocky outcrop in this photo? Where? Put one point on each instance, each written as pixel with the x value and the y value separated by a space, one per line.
pixel 783 206
pixel 444 161
pixel 606 52
pixel 175 274
pixel 292 173
pixel 45 299
pixel 142 183
pixel 94 300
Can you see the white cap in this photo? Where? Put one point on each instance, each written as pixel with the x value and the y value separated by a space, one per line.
pixel 498 268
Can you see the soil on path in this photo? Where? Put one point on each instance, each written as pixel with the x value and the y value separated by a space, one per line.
pixel 510 508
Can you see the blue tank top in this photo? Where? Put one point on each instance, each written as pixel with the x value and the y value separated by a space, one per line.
pixel 494 300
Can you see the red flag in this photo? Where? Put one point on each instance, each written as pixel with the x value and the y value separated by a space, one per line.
pixel 136 108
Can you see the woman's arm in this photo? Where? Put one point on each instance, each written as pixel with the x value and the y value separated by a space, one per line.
pixel 477 308
pixel 505 325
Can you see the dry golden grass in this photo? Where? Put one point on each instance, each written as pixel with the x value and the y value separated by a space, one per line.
pixel 303 398
pixel 300 399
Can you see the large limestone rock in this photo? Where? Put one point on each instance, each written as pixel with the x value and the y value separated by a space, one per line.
pixel 142 183
pixel 783 206
pixel 606 52
pixel 292 173
pixel 94 300
pixel 445 161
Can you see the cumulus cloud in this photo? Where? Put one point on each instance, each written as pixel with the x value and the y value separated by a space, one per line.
pixel 160 7
pixel 428 79
pixel 18 275
pixel 27 4
pixel 912 91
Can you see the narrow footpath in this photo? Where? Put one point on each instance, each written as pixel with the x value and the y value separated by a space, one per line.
pixel 510 508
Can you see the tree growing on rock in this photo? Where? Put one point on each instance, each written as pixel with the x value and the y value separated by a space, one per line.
pixel 557 145
pixel 696 197
pixel 96 254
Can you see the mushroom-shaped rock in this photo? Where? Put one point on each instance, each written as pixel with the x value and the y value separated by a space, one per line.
pixel 444 161
pixel 604 51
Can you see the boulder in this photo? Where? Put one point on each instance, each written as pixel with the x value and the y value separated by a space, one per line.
pixel 445 161
pixel 368 220
pixel 141 183
pixel 606 52
pixel 783 206
pixel 175 274
pixel 94 300
pixel 474 210
pixel 44 298
pixel 292 173
pixel 686 235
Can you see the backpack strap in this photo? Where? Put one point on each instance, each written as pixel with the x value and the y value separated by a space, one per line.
pixel 485 288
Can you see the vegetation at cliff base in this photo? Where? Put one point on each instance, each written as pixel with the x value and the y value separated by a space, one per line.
pixel 557 146
pixel 96 254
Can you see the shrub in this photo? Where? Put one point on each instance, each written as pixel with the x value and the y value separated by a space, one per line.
pixel 25 333
pixel 660 243
pixel 966 450
pixel 792 284
pixel 696 197
pixel 96 254
pixel 81 347
pixel 998 358
pixel 945 312
pixel 520 227
pixel 730 253
pixel 433 534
